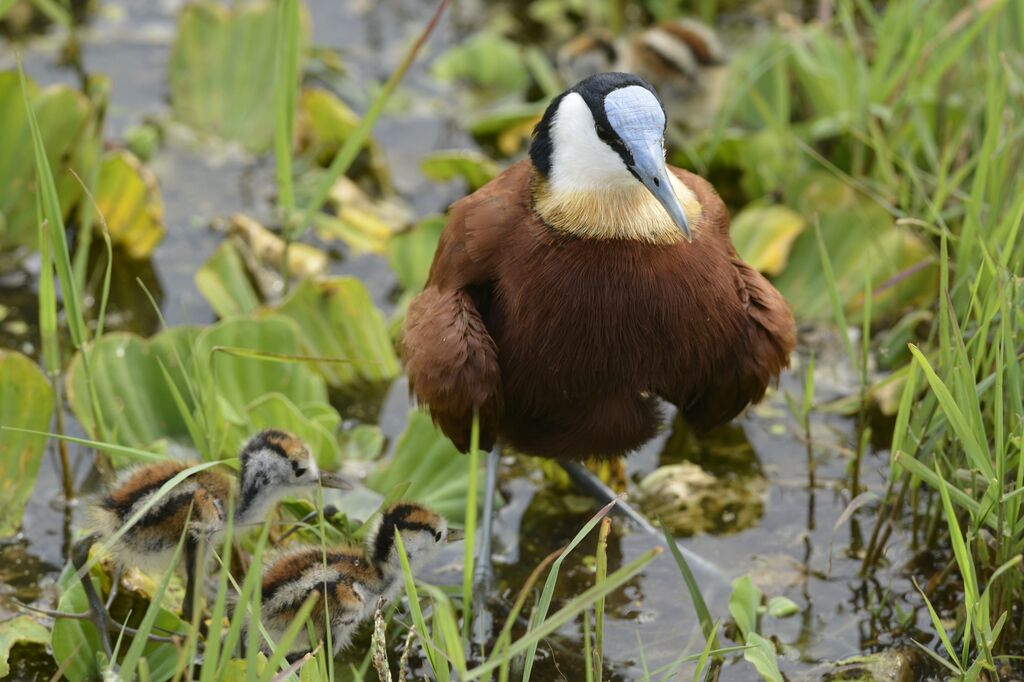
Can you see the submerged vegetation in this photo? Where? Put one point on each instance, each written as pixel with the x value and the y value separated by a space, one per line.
pixel 872 155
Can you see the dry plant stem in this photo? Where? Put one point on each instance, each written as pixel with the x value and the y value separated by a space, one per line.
pixel 62 447
pixel 403 663
pixel 379 644
pixel 111 625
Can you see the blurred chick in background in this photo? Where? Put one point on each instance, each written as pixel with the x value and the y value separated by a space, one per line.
pixel 683 58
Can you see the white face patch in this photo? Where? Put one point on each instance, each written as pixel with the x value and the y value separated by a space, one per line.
pixel 581 161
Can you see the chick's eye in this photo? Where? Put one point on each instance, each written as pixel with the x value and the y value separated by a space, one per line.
pixel 437 536
pixel 300 472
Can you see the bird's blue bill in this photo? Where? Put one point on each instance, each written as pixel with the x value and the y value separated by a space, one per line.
pixel 636 115
pixel 650 166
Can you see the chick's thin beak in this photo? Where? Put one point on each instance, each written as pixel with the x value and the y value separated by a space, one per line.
pixel 329 480
pixel 649 165
pixel 454 535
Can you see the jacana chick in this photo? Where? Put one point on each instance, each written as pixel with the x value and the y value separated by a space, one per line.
pixel 583 284
pixel 683 56
pixel 350 580
pixel 273 464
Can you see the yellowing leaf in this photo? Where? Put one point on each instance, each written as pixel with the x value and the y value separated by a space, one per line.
pixel 129 199
pixel 361 221
pixel 764 235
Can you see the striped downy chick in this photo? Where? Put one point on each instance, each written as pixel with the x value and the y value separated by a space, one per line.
pixel 274 464
pixel 348 584
pixel 350 580
pixel 683 57
pixel 423 531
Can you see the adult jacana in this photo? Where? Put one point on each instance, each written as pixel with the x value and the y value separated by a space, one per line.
pixel 583 284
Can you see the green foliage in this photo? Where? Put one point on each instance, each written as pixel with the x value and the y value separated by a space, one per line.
pixel 222 70
pixel 20 629
pixel 411 253
pixel 487 60
pixel 436 471
pixel 26 401
pixel 473 167
pixel 225 284
pixel 62 115
pixel 159 389
pixel 337 320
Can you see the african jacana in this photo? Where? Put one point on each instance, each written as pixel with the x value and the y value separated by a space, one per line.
pixel 350 580
pixel 274 464
pixel 583 284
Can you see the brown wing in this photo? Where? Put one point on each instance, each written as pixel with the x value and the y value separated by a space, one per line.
pixel 449 355
pixel 767 332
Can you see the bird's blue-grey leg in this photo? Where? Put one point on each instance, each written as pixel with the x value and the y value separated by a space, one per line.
pixel 588 482
pixel 483 569
pixel 97 611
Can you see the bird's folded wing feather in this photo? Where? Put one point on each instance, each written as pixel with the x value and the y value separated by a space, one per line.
pixel 449 355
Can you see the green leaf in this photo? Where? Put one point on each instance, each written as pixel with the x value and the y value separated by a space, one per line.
pixel 26 401
pixel 411 253
pixel 863 241
pixel 242 380
pixel 336 319
pixel 429 461
pixel 475 168
pixel 762 656
pixel 325 122
pixel 15 630
pixel 782 607
pixel 487 60
pixel 243 389
pixel 128 198
pixel 744 603
pixel 62 114
pixel 224 282
pixel 763 236
pixel 223 70
pixel 138 407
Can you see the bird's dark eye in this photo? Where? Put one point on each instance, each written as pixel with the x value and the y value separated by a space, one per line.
pixel 300 472
pixel 437 536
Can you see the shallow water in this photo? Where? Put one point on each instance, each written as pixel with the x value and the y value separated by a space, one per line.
pixel 794 549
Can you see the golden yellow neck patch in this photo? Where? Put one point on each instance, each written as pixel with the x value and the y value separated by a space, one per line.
pixel 624 212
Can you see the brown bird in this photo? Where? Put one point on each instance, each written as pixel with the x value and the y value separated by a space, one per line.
pixel 580 286
pixel 274 464
pixel 350 580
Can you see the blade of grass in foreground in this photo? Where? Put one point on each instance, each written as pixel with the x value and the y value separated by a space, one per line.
pixel 544 603
pixel 699 605
pixel 469 549
pixel 570 611
pixel 434 655
pixel 354 142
